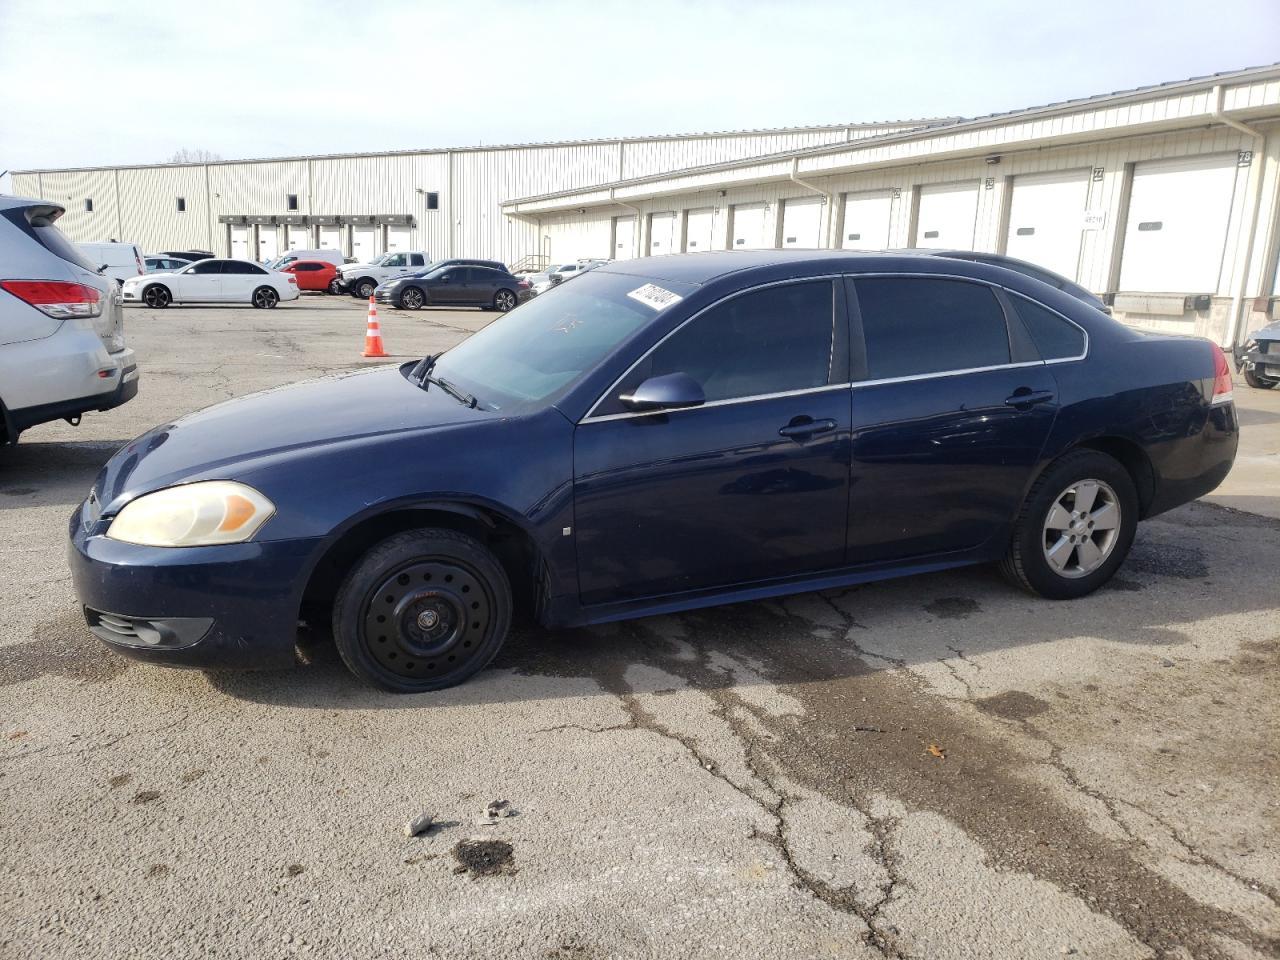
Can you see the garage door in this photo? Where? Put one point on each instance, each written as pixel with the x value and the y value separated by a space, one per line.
pixel 299 238
pixel 748 227
pixel 802 223
pixel 268 243
pixel 330 238
pixel 398 238
pixel 867 217
pixel 1177 228
pixel 948 215
pixel 624 238
pixel 662 233
pixel 240 243
pixel 1046 220
pixel 697 233
pixel 363 244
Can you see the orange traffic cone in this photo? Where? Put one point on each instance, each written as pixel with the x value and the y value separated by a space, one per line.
pixel 373 334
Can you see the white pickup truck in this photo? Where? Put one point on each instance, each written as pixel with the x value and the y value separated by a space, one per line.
pixel 361 279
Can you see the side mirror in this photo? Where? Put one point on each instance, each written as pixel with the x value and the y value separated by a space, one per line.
pixel 673 391
pixel 103 268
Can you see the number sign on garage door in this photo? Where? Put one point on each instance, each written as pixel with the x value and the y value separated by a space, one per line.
pixel 1046 220
pixel 948 215
pixel 624 238
pixel 802 223
pixel 748 227
pixel 867 218
pixel 698 225
pixel 1177 228
pixel 662 232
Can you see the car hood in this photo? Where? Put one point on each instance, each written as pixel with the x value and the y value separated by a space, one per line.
pixel 1270 332
pixel 231 439
pixel 151 276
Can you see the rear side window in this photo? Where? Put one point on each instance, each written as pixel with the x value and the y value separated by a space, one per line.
pixel 768 341
pixel 1056 338
pixel 415 260
pixel 919 325
pixel 241 266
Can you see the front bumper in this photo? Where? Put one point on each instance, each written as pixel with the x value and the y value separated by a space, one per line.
pixel 224 607
pixel 389 297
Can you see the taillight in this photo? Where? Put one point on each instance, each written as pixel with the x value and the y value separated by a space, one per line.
pixel 57 298
pixel 293 279
pixel 1222 386
pixel 524 284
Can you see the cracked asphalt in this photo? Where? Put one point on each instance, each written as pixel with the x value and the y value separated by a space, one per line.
pixel 938 767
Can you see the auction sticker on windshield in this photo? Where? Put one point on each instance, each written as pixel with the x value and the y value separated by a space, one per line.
pixel 652 295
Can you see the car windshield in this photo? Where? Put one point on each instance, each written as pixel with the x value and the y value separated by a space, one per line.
pixel 536 351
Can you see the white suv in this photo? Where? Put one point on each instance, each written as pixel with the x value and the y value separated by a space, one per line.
pixel 361 279
pixel 62 349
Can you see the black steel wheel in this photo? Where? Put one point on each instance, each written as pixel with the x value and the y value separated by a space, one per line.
pixel 411 298
pixel 504 300
pixel 157 296
pixel 422 610
pixel 265 298
pixel 1254 379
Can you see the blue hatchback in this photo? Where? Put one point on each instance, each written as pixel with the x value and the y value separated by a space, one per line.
pixel 658 435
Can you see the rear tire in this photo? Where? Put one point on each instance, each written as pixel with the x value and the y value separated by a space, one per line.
pixel 334 288
pixel 265 298
pixel 1075 527
pixel 1257 380
pixel 157 296
pixel 423 610
pixel 504 300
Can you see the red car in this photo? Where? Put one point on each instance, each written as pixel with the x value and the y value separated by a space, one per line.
pixel 314 275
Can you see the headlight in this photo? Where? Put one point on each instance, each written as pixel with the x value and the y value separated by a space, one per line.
pixel 193 515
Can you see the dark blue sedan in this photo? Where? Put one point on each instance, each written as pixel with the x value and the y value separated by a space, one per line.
pixel 658 435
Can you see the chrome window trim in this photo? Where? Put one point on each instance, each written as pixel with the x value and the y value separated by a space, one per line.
pixel 1045 306
pixel 855 384
pixel 830 277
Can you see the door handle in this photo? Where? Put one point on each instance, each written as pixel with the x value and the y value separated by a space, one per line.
pixel 802 428
pixel 1024 398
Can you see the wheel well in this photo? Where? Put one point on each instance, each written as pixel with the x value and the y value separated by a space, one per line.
pixel 1134 459
pixel 512 546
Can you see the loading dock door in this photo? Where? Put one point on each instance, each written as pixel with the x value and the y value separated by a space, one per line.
pixel 624 238
pixel 299 238
pixel 867 217
pixel 240 243
pixel 698 229
pixel 363 243
pixel 268 243
pixel 662 233
pixel 948 215
pixel 748 227
pixel 330 238
pixel 398 238
pixel 1176 233
pixel 1046 220
pixel 802 223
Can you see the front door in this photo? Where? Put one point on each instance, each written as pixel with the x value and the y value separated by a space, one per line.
pixel 200 283
pixel 948 421
pixel 750 486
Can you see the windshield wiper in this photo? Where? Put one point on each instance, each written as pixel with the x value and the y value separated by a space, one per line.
pixel 420 369
pixel 449 388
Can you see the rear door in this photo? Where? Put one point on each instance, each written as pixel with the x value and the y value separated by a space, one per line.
pixel 951 408
pixel 753 484
pixel 239 279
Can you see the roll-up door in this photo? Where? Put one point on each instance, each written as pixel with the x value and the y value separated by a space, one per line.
pixel 662 230
pixel 698 226
pixel 1046 220
pixel 624 238
pixel 268 243
pixel 947 216
pixel 1176 233
pixel 802 223
pixel 398 238
pixel 748 227
pixel 867 218
pixel 363 243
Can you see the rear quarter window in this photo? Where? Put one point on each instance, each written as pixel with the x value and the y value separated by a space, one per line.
pixel 38 224
pixel 1056 338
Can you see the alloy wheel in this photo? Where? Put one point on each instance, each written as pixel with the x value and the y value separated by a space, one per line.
pixel 411 299
pixel 505 300
pixel 1081 528
pixel 156 297
pixel 265 297
pixel 427 620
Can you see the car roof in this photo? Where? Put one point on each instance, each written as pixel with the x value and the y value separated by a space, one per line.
pixel 700 268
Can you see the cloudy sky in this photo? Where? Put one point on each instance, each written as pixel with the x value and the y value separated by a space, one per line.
pixel 133 82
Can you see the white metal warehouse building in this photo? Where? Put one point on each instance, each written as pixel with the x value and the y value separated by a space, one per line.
pixel 1164 199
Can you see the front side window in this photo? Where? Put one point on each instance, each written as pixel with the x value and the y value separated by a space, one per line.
pixel 1055 337
pixel 396 260
pixel 920 325
pixel 535 352
pixel 206 267
pixel 774 340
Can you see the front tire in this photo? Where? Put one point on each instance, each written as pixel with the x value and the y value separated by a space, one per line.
pixel 265 298
pixel 157 296
pixel 1075 527
pixel 363 289
pixel 423 610
pixel 411 298
pixel 1257 380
